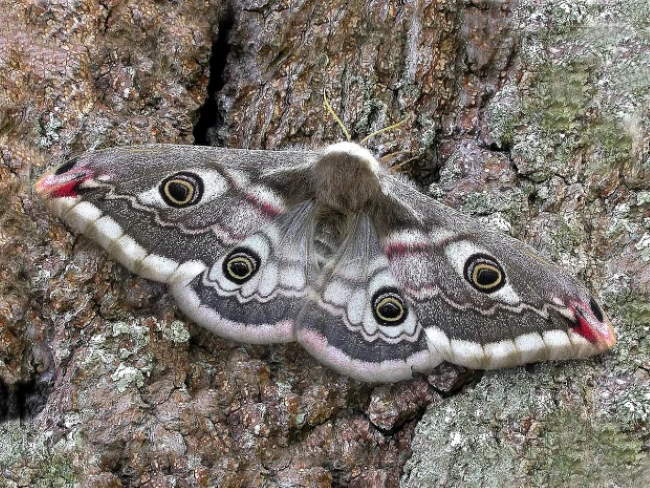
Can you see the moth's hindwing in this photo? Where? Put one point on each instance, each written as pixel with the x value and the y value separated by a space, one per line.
pixel 255 290
pixel 360 323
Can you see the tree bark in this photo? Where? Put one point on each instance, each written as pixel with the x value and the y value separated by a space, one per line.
pixel 532 116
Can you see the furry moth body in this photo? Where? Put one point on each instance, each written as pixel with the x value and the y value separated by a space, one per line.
pixel 373 278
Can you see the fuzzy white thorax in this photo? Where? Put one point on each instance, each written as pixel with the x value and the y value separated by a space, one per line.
pixel 355 150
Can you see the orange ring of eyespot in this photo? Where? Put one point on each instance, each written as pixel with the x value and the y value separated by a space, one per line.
pixel 386 300
pixel 481 266
pixel 240 259
pixel 240 255
pixel 186 184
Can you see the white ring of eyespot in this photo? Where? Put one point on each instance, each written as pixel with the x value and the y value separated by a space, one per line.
pixel 458 252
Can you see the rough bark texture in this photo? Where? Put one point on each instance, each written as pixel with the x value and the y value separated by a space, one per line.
pixel 531 115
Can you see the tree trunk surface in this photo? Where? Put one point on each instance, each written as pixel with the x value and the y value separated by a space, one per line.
pixel 531 116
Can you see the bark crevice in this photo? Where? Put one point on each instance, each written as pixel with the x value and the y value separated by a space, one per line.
pixel 210 115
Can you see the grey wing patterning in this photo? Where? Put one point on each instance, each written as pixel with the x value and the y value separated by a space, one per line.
pixel 373 278
pixel 358 323
pixel 485 300
pixel 254 292
pixel 166 212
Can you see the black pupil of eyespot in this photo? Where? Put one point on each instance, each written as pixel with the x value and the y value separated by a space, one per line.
pixel 598 313
pixel 388 307
pixel 487 276
pixel 483 273
pixel 241 265
pixel 240 268
pixel 178 191
pixel 390 310
pixel 181 190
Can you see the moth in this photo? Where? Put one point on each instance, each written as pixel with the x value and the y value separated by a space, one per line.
pixel 329 249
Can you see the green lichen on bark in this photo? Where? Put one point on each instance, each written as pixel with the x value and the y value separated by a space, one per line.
pixel 562 105
pixel 555 425
pixel 583 94
pixel 35 461
pixel 633 351
pixel 575 450
pixel 606 445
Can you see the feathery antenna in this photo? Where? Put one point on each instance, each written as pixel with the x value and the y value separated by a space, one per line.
pixel 328 107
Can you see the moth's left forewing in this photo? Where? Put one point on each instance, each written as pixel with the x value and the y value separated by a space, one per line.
pixel 185 214
pixel 163 209
pixel 484 300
